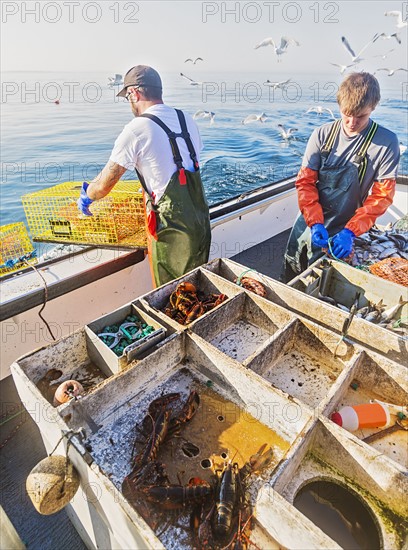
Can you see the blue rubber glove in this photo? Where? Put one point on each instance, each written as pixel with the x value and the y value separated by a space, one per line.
pixel 342 243
pixel 320 236
pixel 84 201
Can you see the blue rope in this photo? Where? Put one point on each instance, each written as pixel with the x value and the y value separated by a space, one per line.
pixel 12 262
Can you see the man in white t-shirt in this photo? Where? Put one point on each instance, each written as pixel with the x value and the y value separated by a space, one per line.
pixel 163 145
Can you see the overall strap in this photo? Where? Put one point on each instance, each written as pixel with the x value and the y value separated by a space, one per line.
pixel 360 157
pixel 187 139
pixel 172 138
pixel 334 130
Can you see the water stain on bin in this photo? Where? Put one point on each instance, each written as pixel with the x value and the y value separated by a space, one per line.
pixel 339 513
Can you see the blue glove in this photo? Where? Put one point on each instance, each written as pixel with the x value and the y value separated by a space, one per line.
pixel 84 201
pixel 320 236
pixel 342 243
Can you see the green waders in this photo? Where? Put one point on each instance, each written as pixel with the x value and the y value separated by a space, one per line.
pixel 340 194
pixel 179 224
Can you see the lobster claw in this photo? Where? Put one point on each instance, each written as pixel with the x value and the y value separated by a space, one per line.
pixel 257 461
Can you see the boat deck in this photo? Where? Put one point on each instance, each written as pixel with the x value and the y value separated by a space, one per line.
pixel 22 447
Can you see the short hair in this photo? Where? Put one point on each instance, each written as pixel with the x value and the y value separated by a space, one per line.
pixel 358 91
pixel 150 93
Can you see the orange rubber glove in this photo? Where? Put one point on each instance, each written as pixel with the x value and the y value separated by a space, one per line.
pixel 308 196
pixel 382 194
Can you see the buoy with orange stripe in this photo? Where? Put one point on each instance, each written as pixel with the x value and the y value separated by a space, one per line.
pixel 367 415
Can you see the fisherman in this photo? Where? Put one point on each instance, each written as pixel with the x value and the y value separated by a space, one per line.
pixel 347 178
pixel 163 145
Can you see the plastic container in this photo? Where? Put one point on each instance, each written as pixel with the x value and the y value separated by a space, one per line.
pixel 367 415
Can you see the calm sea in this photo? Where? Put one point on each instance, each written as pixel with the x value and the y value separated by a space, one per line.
pixel 45 143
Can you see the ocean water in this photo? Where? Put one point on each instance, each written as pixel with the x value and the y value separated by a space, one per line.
pixel 45 143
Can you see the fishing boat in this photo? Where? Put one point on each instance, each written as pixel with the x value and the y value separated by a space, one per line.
pixel 311 455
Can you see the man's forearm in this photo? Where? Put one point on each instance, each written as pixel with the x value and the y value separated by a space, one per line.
pixel 105 180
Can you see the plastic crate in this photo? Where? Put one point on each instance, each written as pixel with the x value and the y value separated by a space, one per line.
pixel 53 216
pixel 15 247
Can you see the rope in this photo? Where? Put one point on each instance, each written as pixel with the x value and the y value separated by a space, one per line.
pixel 45 299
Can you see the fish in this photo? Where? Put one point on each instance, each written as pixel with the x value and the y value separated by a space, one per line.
pixel 393 311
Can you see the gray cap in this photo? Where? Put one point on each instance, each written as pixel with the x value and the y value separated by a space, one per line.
pixel 143 76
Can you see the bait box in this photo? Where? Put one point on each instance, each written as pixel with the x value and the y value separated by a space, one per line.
pixel 307 444
pixel 206 282
pixel 103 355
pixel 242 326
pixel 342 282
pixel 380 340
pixel 53 216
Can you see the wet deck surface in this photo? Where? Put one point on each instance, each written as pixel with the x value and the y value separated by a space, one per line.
pixel 21 446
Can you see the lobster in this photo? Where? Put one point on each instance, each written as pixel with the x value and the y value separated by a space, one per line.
pixel 163 425
pixel 185 305
pixel 252 284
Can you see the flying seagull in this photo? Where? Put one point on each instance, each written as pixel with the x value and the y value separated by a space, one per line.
pixel 204 114
pixel 384 55
pixel 194 61
pixel 116 80
pixel 254 118
pixel 286 133
pixel 356 58
pixel 283 46
pixel 275 85
pixel 192 82
pixel 320 110
pixel 343 68
pixel 391 71
pixel 385 36
pixel 400 22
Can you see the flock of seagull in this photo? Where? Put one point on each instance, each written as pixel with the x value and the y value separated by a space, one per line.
pixel 280 48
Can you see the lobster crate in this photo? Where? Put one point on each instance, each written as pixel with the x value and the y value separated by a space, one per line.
pixel 53 216
pixel 16 248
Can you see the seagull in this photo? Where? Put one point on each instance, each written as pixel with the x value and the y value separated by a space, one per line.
pixel 116 80
pixel 343 68
pixel 287 134
pixel 254 118
pixel 320 110
pixel 275 85
pixel 389 36
pixel 384 55
pixel 391 71
pixel 281 49
pixel 402 148
pixel 192 82
pixel 194 61
pixel 400 22
pixel 356 58
pixel 205 114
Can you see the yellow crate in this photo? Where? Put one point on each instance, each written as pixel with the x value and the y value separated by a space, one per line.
pixel 53 216
pixel 15 244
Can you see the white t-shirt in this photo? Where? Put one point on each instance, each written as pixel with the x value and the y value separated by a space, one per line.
pixel 143 145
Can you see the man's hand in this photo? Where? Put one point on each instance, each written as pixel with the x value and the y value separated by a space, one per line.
pixel 84 201
pixel 342 243
pixel 320 236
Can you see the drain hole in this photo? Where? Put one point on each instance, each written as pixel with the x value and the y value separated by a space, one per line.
pixel 206 463
pixel 224 455
pixel 340 513
pixel 220 418
pixel 189 449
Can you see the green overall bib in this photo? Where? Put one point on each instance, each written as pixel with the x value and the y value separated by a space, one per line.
pixel 179 224
pixel 340 194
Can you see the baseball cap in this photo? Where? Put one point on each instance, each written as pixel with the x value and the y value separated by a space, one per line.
pixel 141 75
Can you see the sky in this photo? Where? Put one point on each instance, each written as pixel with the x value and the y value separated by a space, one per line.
pixel 112 36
